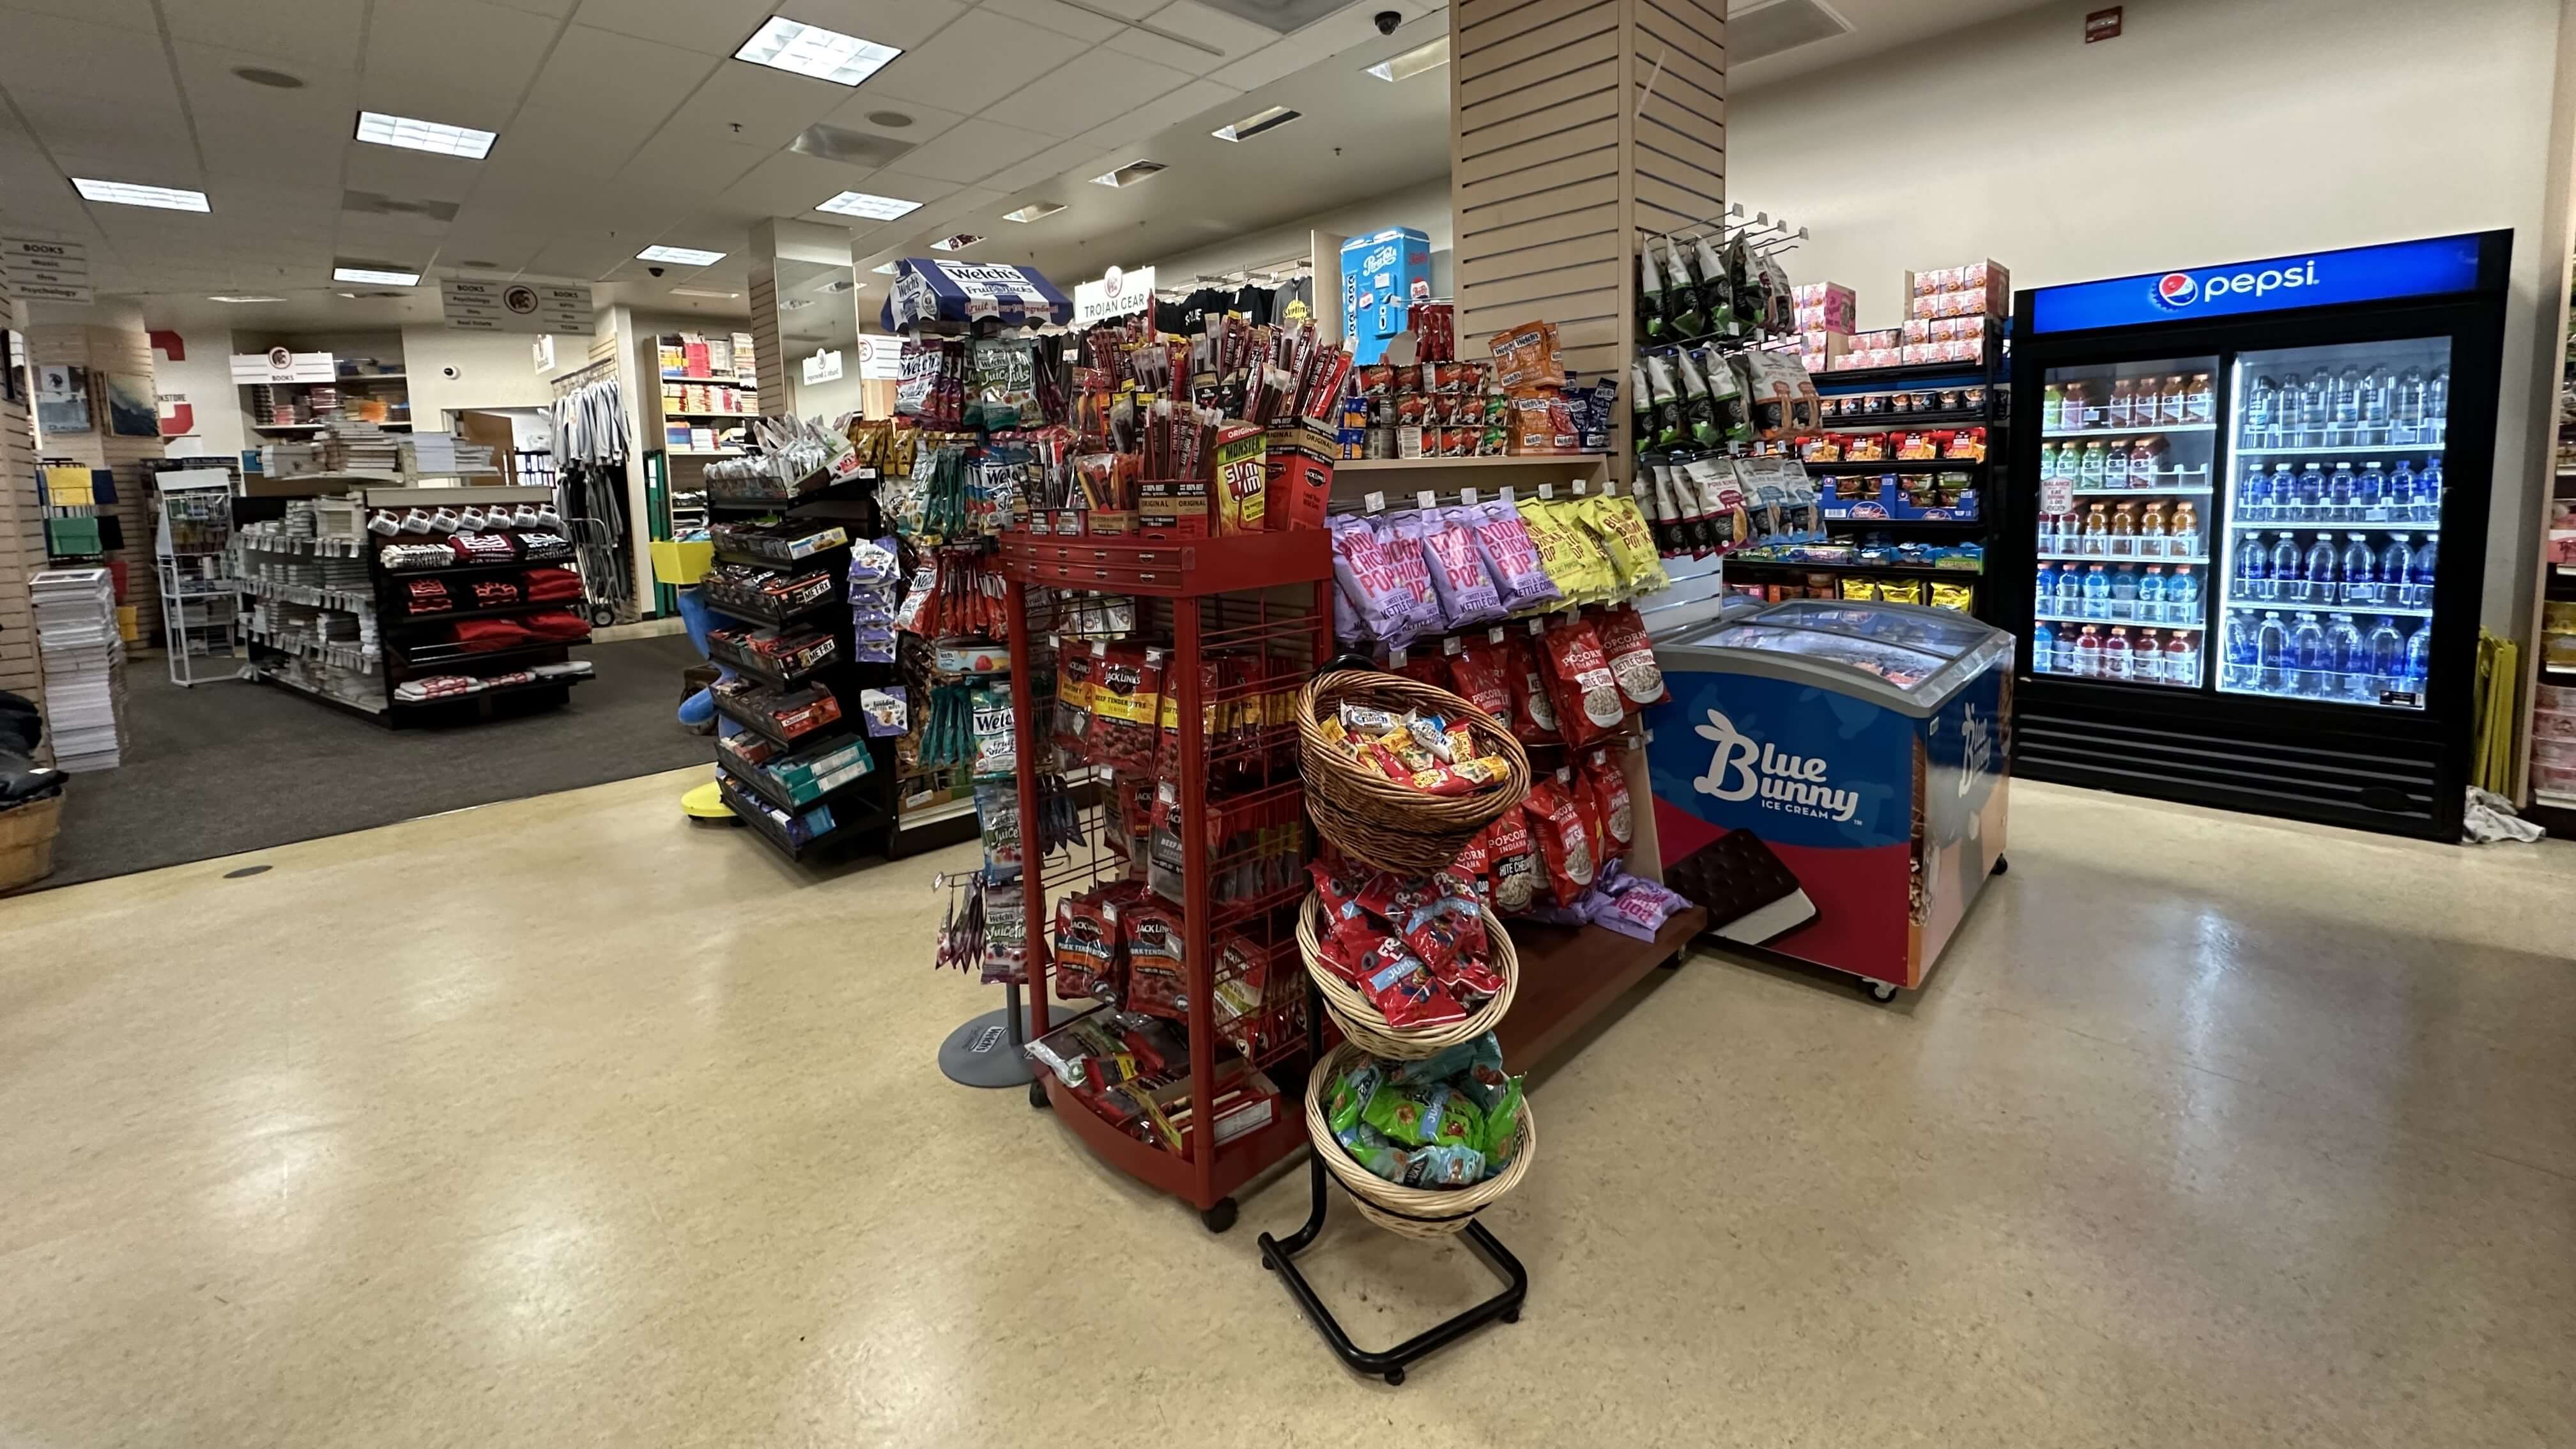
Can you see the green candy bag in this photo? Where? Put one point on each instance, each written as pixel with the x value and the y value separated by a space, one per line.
pixel 1350 1096
pixel 1372 1151
pixel 1501 1141
pixel 1424 1114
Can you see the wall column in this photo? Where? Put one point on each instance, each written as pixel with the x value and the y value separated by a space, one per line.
pixel 75 336
pixel 1578 129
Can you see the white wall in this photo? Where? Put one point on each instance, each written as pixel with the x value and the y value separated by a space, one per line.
pixel 1424 207
pixel 493 370
pixel 2212 130
pixel 205 377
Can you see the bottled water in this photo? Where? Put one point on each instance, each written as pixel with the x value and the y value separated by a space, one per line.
pixel 2428 493
pixel 2387 656
pixel 2317 573
pixel 2286 581
pixel 2400 495
pixel 2043 648
pixel 2374 403
pixel 2312 494
pixel 2285 493
pixel 2262 404
pixel 2253 570
pixel 2316 409
pixel 2313 661
pixel 2358 564
pixel 2272 654
pixel 2396 569
pixel 2339 493
pixel 2419 579
pixel 2370 496
pixel 2407 406
pixel 2351 659
pixel 2419 651
pixel 2254 500
pixel 2437 402
pixel 2236 667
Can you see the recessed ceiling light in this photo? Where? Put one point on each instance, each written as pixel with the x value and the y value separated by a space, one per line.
pixel 801 49
pixel 891 120
pixel 273 79
pixel 126 193
pixel 435 137
pixel 1034 211
pixel 245 299
pixel 860 203
pixel 1129 174
pixel 957 243
pixel 1412 63
pixel 370 274
pixel 684 256
pixel 887 269
pixel 481 266
pixel 703 292
pixel 794 304
pixel 1269 118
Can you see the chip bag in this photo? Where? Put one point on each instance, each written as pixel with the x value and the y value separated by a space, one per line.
pixel 1512 557
pixel 1586 694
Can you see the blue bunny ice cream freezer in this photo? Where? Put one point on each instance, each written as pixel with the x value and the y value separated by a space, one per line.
pixel 1829 778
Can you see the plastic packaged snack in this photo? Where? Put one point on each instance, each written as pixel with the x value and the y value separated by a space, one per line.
pixel 1558 829
pixel 1525 357
pixel 1632 655
pixel 1533 709
pixel 1502 1141
pixel 1351 1094
pixel 1448 1164
pixel 1444 1064
pixel 1367 578
pixel 1512 557
pixel 1586 694
pixel 1515 868
pixel 1402 990
pixel 1370 1149
pixel 1126 706
pixel 1466 591
pixel 1478 672
pixel 1157 983
pixel 1399 536
pixel 1421 1114
pixel 1627 540
pixel 1618 813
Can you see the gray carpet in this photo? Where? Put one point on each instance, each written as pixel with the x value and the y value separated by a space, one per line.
pixel 233 766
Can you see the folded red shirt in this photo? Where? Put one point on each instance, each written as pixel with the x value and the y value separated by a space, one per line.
pixel 480 636
pixel 570 628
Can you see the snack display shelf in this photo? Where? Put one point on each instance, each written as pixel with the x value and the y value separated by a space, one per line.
pixel 1856 566
pixel 1913 374
pixel 2153 490
pixel 751 664
pixel 1571 975
pixel 2309 606
pixel 769 731
pixel 753 560
pixel 374 708
pixel 2139 430
pixel 1238 1159
pixel 496 611
pixel 1897 465
pixel 2369 525
pixel 744 611
pixel 746 808
pixel 1170 567
pixel 2250 451
pixel 411 660
pixel 684 413
pixel 500 691
pixel 2190 623
pixel 1504 460
pixel 750 778
pixel 2125 558
pixel 1898 422
pixel 2559 671
pixel 513 566
pixel 1935 525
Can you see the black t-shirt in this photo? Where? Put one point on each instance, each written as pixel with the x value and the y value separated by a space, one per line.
pixel 1254 303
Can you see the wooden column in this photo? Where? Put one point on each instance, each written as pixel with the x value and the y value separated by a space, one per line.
pixel 1578 129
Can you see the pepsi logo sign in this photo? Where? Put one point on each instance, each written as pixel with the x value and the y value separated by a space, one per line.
pixel 2176 290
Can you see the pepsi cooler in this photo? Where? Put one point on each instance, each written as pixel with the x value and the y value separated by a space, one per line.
pixel 1829 779
pixel 2244 530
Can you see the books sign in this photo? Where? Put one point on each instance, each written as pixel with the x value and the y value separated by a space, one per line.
pixel 45 271
pixel 494 304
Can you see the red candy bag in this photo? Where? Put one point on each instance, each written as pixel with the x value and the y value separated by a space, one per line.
pixel 1402 989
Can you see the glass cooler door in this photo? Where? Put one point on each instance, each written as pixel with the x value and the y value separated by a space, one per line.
pixel 2334 521
pixel 2125 477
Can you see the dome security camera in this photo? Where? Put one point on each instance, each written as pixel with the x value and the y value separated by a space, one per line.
pixel 448 372
pixel 656 271
pixel 1388 20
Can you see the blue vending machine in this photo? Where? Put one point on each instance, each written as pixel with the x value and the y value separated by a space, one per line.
pixel 1829 779
pixel 1382 277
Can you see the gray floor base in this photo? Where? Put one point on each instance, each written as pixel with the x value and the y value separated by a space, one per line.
pixel 985 1052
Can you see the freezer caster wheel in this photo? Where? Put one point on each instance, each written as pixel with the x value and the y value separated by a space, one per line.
pixel 1879 991
pixel 1220 1217
pixel 2002 864
pixel 1394 1376
pixel 1512 1316
pixel 1037 1095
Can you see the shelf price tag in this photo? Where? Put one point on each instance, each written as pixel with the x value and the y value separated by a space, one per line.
pixel 1494 635
pixel 1453 645
pixel 1425 500
pixel 1508 496
pixel 1396 656
pixel 1373 503
pixel 1546 491
pixel 1578 487
pixel 1468 496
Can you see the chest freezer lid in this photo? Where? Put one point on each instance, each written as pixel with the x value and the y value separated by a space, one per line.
pixel 1904 657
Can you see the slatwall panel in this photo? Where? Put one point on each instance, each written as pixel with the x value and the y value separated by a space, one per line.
pixel 22 554
pixel 769 351
pixel 105 350
pixel 1562 159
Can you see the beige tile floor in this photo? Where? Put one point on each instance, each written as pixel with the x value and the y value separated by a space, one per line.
pixel 561 1122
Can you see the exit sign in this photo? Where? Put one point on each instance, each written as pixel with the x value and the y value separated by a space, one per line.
pixel 2102 24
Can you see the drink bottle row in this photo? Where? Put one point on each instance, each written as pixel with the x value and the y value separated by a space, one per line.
pixel 2116 463
pixel 2311 494
pixel 2125 594
pixel 2332 659
pixel 2356 407
pixel 2089 652
pixel 2323 572
pixel 2125 402
pixel 2125 530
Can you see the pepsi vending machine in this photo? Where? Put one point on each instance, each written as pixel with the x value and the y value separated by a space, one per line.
pixel 2244 542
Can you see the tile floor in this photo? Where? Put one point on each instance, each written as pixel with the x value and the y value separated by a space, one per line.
pixel 561 1122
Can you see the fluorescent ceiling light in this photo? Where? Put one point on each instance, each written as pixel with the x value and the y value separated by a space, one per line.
pixel 126 193
pixel 1269 118
pixel 1129 174
pixel 1034 211
pixel 957 243
pixel 369 274
pixel 801 49
pixel 432 136
pixel 245 299
pixel 885 269
pixel 1412 63
pixel 860 203
pixel 684 256
pixel 703 292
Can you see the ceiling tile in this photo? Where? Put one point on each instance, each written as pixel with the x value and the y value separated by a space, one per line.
pixel 1131 9
pixel 1236 37
pixel 123 14
pixel 45 52
pixel 1150 119
pixel 789 184
pixel 1047 165
pixel 710 28
pixel 927 121
pixel 1077 97
pixel 560 139
pixel 1164 51
pixel 307 33
pixel 468 47
pixel 410 175
pixel 619 75
pixel 555 8
pixel 1057 16
pixel 748 105
pixel 903 24
pixel 972 151
pixel 1261 67
pixel 972 63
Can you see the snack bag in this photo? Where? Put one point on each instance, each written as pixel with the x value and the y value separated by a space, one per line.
pixel 1072 725
pixel 1632 655
pixel 1512 557
pixel 1961 597
pixel 1516 869
pixel 1370 1149
pixel 1086 947
pixel 1367 577
pixel 1351 1094
pixel 1652 324
pixel 1618 814
pixel 1629 541
pixel 1502 1141
pixel 1558 829
pixel 1449 1164
pixel 1466 592
pixel 1478 673
pixel 1401 989
pixel 1586 694
pixel 1402 545
pixel 1446 1063
pixel 1157 982
pixel 1126 706
pixel 1562 555
pixel 1533 710
pixel 1525 357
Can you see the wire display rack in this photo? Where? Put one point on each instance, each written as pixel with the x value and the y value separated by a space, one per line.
pixel 1207 810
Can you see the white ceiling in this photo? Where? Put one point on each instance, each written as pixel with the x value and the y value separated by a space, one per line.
pixel 625 123
pixel 1876 25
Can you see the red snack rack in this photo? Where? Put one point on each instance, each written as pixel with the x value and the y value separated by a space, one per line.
pixel 1244 622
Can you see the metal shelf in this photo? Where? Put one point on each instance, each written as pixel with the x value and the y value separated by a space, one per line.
pixel 2310 606
pixel 769 731
pixel 2125 430
pixel 2332 449
pixel 2198 560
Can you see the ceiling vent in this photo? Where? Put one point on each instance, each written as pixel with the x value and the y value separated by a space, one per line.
pixel 373 204
pixel 855 148
pixel 1279 15
pixel 1772 26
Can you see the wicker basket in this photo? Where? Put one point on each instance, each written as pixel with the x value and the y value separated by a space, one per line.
pixel 1428 1213
pixel 1362 1023
pixel 27 842
pixel 1375 820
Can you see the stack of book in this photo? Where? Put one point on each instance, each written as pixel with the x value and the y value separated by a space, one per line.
pixel 84 663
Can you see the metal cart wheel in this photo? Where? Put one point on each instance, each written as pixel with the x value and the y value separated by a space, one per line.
pixel 1220 1217
pixel 1037 1095
pixel 1881 992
